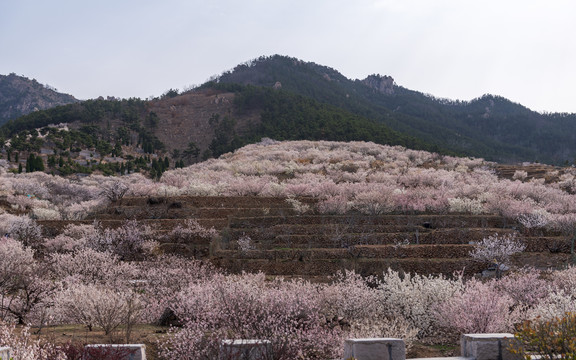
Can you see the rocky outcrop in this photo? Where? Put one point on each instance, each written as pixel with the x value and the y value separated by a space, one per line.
pixel 383 84
pixel 20 96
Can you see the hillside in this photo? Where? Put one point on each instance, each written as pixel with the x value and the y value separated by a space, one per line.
pixel 20 96
pixel 299 225
pixel 489 126
pixel 120 136
pixel 325 206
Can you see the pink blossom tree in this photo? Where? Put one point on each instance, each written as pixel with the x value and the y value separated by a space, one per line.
pixel 244 307
pixel 477 308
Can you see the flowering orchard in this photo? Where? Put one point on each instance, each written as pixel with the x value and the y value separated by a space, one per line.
pixel 97 289
pixel 355 176
pixel 113 278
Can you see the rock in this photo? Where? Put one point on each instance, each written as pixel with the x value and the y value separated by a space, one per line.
pixel 383 84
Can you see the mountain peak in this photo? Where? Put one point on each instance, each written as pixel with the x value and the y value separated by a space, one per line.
pixel 383 84
pixel 20 96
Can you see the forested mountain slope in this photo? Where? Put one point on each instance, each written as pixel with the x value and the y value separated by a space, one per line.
pixel 182 128
pixel 489 126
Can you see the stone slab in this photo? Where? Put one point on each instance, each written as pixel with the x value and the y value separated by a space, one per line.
pixel 375 349
pixel 488 346
pixel 245 349
pixel 5 353
pixel 139 350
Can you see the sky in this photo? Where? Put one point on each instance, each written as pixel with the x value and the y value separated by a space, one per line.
pixel 457 49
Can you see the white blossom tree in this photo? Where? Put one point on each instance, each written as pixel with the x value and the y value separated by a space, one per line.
pixel 497 250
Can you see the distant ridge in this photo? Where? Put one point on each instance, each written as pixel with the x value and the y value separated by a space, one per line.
pixel 20 96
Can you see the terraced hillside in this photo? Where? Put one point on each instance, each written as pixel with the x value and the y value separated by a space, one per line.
pixel 268 234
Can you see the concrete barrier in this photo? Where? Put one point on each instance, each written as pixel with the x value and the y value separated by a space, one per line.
pixel 5 353
pixel 488 346
pixel 245 349
pixel 131 351
pixel 375 349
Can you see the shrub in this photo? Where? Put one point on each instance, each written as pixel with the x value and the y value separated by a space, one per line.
pixel 27 231
pixel 469 206
pixel 413 297
pixel 91 267
pixel 478 308
pixel 525 287
pixel 552 339
pixel 131 241
pixel 24 347
pixel 190 231
pixel 98 305
pixel 114 191
pixel 77 351
pixel 21 284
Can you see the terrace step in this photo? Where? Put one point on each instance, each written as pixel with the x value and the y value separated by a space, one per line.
pixel 427 221
pixel 553 244
pixel 137 212
pixel 55 227
pixel 313 245
pixel 364 251
pixel 327 229
pixel 254 202
pixel 440 236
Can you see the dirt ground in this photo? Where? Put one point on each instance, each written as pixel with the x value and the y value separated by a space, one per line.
pixel 150 335
pixel 78 334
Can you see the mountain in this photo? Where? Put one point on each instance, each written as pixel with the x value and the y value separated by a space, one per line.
pixel 20 96
pixel 285 99
pixel 489 126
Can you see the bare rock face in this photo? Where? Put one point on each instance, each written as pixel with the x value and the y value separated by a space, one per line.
pixel 383 84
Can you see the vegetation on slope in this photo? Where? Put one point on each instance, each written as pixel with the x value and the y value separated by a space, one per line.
pixel 288 116
pixel 100 128
pixel 108 126
pixel 490 126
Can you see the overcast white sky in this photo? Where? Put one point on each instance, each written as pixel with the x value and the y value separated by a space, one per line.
pixel 460 49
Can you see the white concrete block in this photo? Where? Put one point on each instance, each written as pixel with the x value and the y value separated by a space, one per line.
pixel 445 358
pixel 4 353
pixel 488 346
pixel 245 349
pixel 137 351
pixel 375 349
